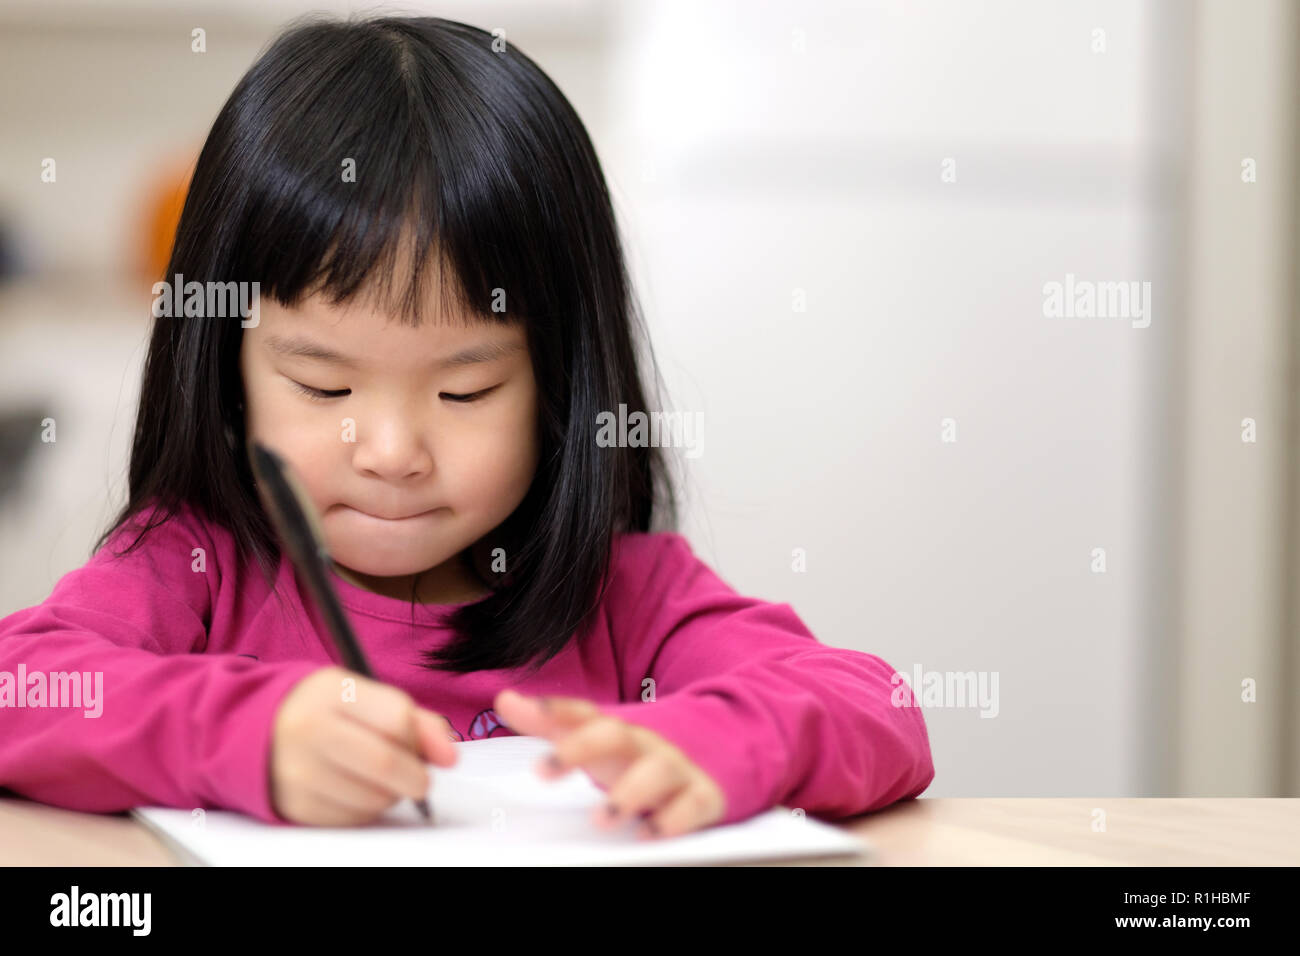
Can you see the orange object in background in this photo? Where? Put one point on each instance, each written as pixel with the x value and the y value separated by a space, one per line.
pixel 163 202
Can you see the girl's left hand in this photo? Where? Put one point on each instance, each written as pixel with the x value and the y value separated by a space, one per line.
pixel 642 773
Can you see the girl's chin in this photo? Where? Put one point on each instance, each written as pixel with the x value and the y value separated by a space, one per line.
pixel 365 564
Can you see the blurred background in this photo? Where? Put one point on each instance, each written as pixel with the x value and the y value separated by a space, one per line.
pixel 843 220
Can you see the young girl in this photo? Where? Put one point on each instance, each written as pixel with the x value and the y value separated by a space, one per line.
pixel 444 314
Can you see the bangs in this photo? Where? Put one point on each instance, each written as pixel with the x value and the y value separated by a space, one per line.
pixel 376 171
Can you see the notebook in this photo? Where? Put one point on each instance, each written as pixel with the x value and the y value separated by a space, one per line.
pixel 490 809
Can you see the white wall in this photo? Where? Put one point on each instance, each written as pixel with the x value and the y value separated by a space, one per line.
pixel 748 170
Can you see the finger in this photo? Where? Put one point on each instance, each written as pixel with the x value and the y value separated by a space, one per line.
pixel 542 716
pixel 696 806
pixel 313 809
pixel 643 788
pixel 603 746
pixel 384 709
pixel 315 796
pixel 361 797
pixel 321 809
pixel 436 742
pixel 567 710
pixel 375 758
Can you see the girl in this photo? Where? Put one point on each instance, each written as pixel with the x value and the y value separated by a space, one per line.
pixel 444 313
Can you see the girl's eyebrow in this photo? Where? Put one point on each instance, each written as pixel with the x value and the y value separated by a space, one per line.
pixel 297 346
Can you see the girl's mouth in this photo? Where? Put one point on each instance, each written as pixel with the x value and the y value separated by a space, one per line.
pixel 395 519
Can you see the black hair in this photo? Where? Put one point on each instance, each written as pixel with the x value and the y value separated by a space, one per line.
pixel 478 157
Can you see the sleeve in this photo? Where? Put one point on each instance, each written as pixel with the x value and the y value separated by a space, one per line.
pixel 107 701
pixel 744 689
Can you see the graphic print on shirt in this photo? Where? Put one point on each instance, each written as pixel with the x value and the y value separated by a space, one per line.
pixel 485 724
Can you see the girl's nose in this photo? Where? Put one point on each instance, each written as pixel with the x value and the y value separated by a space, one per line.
pixel 391 450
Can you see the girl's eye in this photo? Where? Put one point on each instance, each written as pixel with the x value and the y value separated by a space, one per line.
pixel 320 394
pixel 471 397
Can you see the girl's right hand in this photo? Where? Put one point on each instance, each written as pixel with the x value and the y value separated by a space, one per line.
pixel 337 762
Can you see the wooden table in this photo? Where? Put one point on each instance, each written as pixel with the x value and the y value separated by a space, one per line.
pixel 924 832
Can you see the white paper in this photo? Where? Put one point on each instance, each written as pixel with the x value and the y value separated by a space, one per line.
pixel 491 809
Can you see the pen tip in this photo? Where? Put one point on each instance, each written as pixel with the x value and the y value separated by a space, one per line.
pixel 423 806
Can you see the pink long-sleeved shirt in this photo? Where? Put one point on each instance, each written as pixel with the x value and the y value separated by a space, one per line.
pixel 196 659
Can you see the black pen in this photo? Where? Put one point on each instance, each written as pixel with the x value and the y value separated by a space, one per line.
pixel 299 527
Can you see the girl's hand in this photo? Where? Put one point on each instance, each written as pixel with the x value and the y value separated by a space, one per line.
pixel 343 762
pixel 642 773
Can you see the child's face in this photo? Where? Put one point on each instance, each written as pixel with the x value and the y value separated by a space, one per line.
pixel 404 478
